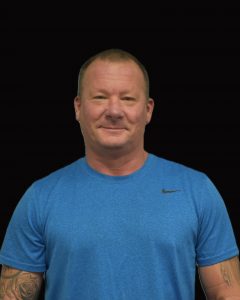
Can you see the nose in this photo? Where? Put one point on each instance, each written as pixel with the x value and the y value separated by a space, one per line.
pixel 114 109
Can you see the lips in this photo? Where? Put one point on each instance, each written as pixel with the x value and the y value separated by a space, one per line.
pixel 112 128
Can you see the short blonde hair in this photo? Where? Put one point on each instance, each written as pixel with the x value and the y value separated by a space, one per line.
pixel 114 55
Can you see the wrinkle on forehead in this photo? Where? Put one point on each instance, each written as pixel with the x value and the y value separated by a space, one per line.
pixel 126 74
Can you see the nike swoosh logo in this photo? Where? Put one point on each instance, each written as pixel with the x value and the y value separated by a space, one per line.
pixel 164 191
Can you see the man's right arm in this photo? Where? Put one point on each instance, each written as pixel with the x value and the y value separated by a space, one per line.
pixel 19 285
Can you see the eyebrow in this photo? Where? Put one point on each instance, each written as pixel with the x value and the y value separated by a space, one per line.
pixel 103 91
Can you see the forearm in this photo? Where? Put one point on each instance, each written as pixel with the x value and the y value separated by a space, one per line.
pixel 19 285
pixel 229 298
pixel 235 296
pixel 222 280
pixel 224 293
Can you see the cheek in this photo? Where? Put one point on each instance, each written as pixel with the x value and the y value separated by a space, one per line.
pixel 138 118
pixel 88 115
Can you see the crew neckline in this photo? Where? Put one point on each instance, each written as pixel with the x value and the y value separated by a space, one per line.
pixel 143 170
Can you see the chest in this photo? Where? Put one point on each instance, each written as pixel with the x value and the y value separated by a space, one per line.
pixel 115 217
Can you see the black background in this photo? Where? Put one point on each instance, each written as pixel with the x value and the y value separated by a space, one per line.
pixel 193 60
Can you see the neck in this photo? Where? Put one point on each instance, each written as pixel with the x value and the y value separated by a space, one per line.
pixel 116 165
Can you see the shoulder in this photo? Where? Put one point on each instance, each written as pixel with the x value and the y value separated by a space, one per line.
pixel 43 191
pixel 195 184
pixel 176 169
pixel 38 193
pixel 59 178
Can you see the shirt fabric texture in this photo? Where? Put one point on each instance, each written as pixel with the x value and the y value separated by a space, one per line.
pixel 133 237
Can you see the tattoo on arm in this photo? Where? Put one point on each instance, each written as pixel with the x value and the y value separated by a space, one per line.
pixel 226 274
pixel 221 280
pixel 230 271
pixel 19 285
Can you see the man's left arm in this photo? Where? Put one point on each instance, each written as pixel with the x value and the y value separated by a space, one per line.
pixel 221 281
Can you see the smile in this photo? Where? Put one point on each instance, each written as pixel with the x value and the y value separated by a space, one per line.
pixel 112 129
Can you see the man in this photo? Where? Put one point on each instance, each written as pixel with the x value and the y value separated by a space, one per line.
pixel 119 223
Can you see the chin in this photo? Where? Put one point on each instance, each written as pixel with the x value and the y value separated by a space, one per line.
pixel 113 146
pixel 116 142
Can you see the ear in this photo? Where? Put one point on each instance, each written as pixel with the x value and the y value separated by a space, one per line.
pixel 150 107
pixel 77 104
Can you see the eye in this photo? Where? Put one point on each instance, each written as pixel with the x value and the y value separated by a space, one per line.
pixel 99 97
pixel 128 98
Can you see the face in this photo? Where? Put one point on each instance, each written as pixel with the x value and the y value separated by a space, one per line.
pixel 113 110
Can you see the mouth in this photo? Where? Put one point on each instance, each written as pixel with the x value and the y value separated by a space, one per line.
pixel 112 129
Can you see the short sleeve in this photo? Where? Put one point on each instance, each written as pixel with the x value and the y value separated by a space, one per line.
pixel 23 246
pixel 216 241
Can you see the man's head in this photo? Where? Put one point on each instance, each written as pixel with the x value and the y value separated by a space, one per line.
pixel 112 105
pixel 114 55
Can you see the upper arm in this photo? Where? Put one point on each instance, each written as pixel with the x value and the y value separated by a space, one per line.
pixel 221 280
pixel 17 284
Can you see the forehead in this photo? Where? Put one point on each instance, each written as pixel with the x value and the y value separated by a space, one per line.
pixel 106 70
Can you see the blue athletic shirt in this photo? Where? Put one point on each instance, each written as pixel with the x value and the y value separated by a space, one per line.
pixel 133 237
